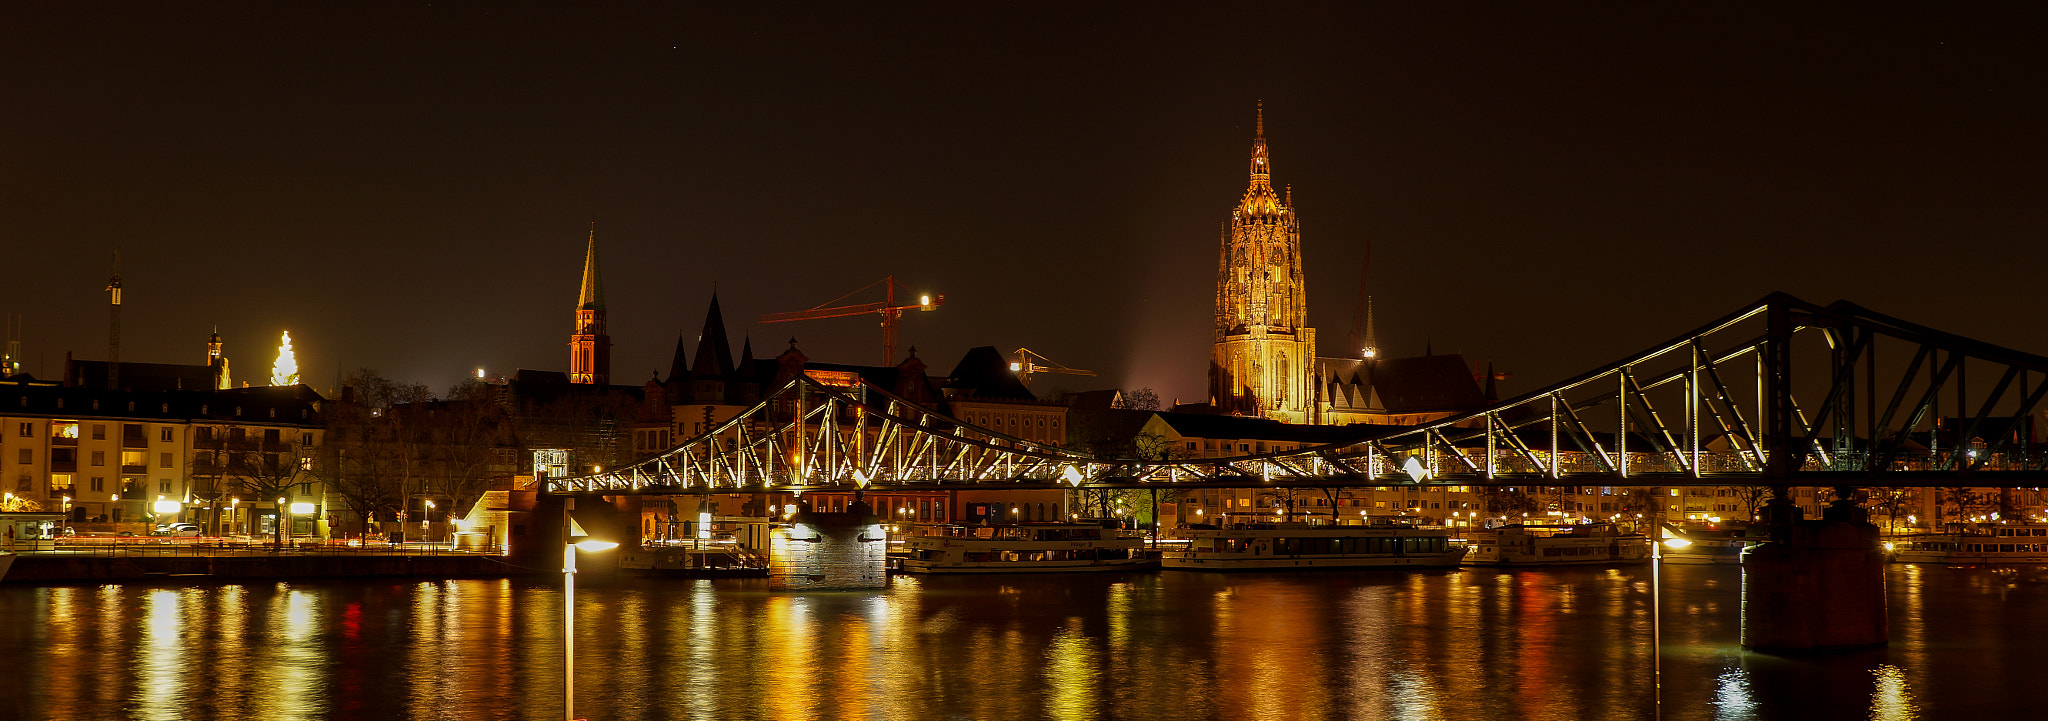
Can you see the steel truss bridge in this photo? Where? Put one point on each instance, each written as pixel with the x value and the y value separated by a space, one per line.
pixel 1782 392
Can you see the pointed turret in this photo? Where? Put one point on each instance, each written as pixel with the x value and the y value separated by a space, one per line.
pixel 711 370
pixel 714 351
pixel 679 364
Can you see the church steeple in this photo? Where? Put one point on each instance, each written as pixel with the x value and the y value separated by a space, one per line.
pixel 590 348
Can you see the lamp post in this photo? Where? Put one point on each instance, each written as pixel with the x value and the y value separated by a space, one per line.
pixel 570 532
pixel 280 523
pixel 1657 544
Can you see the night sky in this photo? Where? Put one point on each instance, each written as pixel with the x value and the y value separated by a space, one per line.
pixel 1550 186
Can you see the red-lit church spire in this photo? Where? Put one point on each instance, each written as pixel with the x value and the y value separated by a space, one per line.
pixel 590 349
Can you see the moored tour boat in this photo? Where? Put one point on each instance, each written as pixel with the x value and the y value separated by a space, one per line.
pixel 1987 543
pixel 1023 548
pixel 1572 544
pixel 1706 546
pixel 1300 546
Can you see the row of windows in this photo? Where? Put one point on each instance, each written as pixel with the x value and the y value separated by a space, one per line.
pixel 64 429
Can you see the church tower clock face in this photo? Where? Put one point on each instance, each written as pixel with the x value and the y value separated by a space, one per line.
pixel 1262 362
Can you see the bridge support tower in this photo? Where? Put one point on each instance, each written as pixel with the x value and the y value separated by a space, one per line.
pixel 828 551
pixel 1816 584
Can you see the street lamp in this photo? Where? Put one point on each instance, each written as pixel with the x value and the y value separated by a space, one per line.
pixel 280 522
pixel 1657 544
pixel 571 531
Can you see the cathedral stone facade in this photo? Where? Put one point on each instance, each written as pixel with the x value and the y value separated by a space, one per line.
pixel 1264 359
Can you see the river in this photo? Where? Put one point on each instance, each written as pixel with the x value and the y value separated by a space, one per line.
pixel 1572 643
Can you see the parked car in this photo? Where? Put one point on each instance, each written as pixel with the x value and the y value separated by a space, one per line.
pixel 185 530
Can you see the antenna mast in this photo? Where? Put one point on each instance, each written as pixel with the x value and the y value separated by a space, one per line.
pixel 114 325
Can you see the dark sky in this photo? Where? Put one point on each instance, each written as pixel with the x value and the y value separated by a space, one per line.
pixel 1547 185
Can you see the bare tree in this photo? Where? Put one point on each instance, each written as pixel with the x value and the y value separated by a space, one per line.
pixel 467 431
pixel 1141 399
pixel 374 456
pixel 1893 502
pixel 1750 497
pixel 1962 499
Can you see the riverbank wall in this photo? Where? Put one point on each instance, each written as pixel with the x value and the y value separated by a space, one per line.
pixel 30 569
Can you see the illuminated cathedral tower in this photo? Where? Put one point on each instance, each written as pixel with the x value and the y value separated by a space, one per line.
pixel 590 350
pixel 1264 358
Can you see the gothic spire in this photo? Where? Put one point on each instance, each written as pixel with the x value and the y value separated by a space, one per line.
pixel 1259 199
pixel 592 297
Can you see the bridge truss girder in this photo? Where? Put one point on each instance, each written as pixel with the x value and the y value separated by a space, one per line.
pixel 1676 414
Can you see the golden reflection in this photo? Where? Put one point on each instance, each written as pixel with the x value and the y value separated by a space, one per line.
pixel 293 659
pixel 850 671
pixel 1892 700
pixel 163 661
pixel 1073 674
pixel 1367 633
pixel 791 658
pixel 1271 644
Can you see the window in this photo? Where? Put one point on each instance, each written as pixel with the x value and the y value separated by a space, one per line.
pixel 64 430
pixel 99 431
pixel 205 434
pixel 306 439
pixel 99 484
pixel 164 435
pixel 163 460
pixel 28 430
pixel 133 458
pixel 99 458
pixel 28 456
pixel 60 484
pixel 163 486
pixel 270 436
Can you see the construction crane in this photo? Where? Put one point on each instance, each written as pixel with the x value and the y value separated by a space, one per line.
pixel 1029 362
pixel 888 308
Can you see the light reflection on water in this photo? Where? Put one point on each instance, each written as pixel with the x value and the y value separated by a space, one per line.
pixel 1544 644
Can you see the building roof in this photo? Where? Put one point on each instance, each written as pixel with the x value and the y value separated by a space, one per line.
pixel 141 376
pixel 288 405
pixel 1203 425
pixel 984 373
pixel 1419 384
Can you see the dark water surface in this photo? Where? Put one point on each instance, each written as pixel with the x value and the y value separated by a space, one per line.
pixel 1464 644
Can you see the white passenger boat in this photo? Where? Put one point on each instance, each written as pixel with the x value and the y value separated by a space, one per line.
pixel 1985 543
pixel 1709 546
pixel 1023 548
pixel 1300 546
pixel 1571 544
